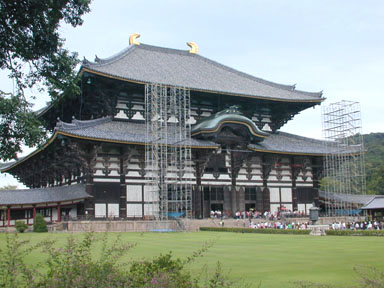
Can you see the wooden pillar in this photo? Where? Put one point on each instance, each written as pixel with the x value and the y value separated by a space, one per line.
pixel 34 214
pixel 58 212
pixel 294 174
pixel 123 186
pixel 198 197
pixel 9 216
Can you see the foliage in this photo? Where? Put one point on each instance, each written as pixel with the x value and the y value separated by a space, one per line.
pixel 13 271
pixel 374 164
pixel 21 226
pixel 374 159
pixel 370 277
pixel 74 266
pixel 252 230
pixel 8 187
pixel 33 54
pixel 355 232
pixel 39 224
pixel 162 271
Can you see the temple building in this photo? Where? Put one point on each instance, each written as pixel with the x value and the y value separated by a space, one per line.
pixel 94 163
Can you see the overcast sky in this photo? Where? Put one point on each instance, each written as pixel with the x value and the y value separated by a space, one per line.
pixel 334 46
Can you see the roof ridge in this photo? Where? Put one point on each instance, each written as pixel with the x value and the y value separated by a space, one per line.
pixel 78 124
pixel 302 137
pixel 100 62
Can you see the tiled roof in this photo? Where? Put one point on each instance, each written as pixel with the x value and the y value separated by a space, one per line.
pixel 350 198
pixel 282 142
pixel 376 203
pixel 43 195
pixel 119 131
pixel 150 64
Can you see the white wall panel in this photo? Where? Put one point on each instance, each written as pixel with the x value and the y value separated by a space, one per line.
pixel 100 210
pixel 286 195
pixel 274 207
pixel 274 195
pixel 134 210
pixel 134 193
pixel 113 210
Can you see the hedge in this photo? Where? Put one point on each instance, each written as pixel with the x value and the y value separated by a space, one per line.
pixel 355 232
pixel 252 230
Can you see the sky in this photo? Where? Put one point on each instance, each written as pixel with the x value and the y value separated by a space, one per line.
pixel 332 46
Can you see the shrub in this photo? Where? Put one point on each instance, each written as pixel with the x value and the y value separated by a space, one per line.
pixel 355 232
pixel 252 230
pixel 74 266
pixel 21 226
pixel 39 224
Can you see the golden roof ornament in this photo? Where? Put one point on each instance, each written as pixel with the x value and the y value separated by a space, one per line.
pixel 132 39
pixel 194 48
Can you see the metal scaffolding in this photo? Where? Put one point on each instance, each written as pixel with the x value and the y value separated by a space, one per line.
pixel 168 151
pixel 344 164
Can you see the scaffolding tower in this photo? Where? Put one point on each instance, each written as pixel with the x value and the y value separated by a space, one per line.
pixel 168 152
pixel 344 163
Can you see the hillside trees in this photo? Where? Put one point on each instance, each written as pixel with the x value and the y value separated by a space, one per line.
pixel 33 54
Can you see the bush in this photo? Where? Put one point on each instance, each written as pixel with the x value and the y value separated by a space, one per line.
pixel 74 266
pixel 355 232
pixel 39 224
pixel 252 230
pixel 21 226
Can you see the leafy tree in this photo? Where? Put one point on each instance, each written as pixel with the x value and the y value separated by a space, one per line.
pixel 376 183
pixel 33 53
pixel 8 187
pixel 39 224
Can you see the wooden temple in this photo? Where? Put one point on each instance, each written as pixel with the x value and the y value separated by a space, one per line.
pixel 93 165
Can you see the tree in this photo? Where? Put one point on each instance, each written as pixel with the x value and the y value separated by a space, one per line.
pixel 8 187
pixel 33 53
pixel 39 224
pixel 376 183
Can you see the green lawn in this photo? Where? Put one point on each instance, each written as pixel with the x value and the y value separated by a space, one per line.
pixel 273 260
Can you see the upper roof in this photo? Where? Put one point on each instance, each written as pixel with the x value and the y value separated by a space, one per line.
pixel 43 195
pixel 150 64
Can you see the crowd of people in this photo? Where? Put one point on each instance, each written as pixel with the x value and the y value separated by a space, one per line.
pixel 362 225
pixel 280 220
pixel 278 225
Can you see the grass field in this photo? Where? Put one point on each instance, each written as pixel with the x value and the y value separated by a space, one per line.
pixel 272 260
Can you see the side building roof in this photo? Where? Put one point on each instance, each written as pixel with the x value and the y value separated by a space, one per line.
pixel 43 195
pixel 151 64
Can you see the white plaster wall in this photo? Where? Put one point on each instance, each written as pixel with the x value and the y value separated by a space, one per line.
pixel 113 210
pixel 134 193
pixel 149 194
pixel 274 195
pixel 150 209
pixel 54 214
pixel 100 210
pixel 274 207
pixel 134 210
pixel 286 195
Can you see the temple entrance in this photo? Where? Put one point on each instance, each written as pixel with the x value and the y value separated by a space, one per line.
pixel 249 206
pixel 217 207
